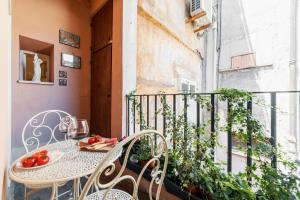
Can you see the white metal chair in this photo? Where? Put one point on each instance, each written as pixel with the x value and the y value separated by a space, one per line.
pixel 45 128
pixel 42 129
pixel 108 167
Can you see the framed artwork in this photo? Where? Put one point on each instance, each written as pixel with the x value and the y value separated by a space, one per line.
pixel 69 39
pixel 63 82
pixel 63 74
pixel 70 60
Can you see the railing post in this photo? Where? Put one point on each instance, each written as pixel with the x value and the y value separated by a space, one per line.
pixel 185 122
pixel 249 140
pixel 229 137
pixel 134 107
pixel 128 115
pixel 212 124
pixel 174 121
pixel 273 129
pixel 148 111
pixel 198 122
pixel 164 115
pixel 155 112
pixel 155 118
pixel 141 113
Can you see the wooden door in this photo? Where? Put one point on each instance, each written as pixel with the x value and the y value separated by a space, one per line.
pixel 101 71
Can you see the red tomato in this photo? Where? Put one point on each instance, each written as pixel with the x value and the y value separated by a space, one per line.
pixel 98 138
pixel 91 140
pixel 28 162
pixel 44 152
pixel 43 160
pixel 40 153
pixel 111 141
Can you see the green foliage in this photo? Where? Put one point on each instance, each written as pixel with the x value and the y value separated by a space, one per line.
pixel 190 158
pixel 143 150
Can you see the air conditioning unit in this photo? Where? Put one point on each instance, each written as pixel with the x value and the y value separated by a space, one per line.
pixel 202 9
pixel 196 7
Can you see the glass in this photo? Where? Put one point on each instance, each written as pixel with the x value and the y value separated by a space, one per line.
pixel 78 129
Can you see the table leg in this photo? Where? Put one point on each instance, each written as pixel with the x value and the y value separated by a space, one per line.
pixel 76 188
pixel 54 194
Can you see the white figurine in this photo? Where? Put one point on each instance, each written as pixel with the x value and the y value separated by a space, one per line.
pixel 37 69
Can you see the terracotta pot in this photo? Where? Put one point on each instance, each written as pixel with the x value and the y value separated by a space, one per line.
pixel 150 166
pixel 195 190
pixel 199 192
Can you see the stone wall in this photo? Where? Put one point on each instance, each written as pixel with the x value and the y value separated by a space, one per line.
pixel 167 47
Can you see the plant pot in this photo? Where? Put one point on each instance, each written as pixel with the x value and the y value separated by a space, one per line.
pixel 150 166
pixel 175 189
pixel 195 190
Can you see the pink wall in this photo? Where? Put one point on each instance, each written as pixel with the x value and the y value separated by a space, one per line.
pixel 96 5
pixel 41 20
pixel 5 64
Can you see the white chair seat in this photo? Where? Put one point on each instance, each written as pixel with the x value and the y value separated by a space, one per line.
pixel 114 194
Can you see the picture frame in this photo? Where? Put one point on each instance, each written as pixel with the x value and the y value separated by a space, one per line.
pixel 63 82
pixel 63 74
pixel 70 60
pixel 69 39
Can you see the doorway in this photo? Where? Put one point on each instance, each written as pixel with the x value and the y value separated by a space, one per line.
pixel 101 71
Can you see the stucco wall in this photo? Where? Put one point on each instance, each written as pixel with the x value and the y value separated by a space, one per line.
pixel 260 27
pixel 42 20
pixel 166 47
pixel 5 100
pixel 266 28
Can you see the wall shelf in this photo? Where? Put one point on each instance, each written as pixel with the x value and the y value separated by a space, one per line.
pixel 199 15
pixel 202 28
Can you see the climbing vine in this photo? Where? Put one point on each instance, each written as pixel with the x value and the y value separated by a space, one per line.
pixel 192 164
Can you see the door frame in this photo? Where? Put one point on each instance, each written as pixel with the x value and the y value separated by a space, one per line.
pixel 117 66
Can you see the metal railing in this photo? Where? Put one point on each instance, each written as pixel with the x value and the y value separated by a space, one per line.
pixel 149 105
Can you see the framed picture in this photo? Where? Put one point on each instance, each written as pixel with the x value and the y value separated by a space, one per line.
pixel 69 39
pixel 63 82
pixel 70 60
pixel 63 74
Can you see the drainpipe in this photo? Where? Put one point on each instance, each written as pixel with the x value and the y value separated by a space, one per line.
pixel 204 64
pixel 219 40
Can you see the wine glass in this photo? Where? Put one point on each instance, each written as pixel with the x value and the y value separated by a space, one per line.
pixel 78 129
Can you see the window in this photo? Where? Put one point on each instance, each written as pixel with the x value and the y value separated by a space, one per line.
pixel 243 61
pixel 187 86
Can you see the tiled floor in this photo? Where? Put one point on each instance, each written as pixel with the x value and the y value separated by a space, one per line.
pixel 18 191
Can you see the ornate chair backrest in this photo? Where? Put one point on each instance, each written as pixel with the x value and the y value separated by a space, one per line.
pixel 107 167
pixel 44 128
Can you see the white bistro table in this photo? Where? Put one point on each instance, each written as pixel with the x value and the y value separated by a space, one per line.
pixel 73 165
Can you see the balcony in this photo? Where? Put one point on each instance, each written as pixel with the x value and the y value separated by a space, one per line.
pixel 222 144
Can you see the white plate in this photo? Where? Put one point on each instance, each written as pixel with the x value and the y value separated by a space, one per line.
pixel 54 156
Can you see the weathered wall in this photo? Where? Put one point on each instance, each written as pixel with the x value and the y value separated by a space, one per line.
pixel 166 47
pixel 267 28
pixel 5 87
pixel 42 20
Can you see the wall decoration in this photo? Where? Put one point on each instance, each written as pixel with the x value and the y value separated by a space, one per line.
pixel 34 67
pixel 63 82
pixel 69 60
pixel 63 74
pixel 69 39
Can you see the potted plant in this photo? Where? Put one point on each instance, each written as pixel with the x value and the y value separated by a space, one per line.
pixel 143 153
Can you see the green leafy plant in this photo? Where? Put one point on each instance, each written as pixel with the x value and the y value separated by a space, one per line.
pixel 191 162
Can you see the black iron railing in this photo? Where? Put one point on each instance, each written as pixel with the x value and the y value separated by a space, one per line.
pixel 149 105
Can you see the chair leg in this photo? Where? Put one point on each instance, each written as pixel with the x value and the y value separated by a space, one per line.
pixel 25 193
